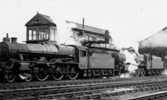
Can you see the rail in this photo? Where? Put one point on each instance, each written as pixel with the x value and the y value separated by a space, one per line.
pixel 80 88
pixel 151 96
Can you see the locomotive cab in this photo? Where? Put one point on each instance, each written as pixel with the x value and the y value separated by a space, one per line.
pixel 83 57
pixel 81 54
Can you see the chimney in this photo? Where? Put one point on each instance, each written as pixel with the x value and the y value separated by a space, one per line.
pixel 107 36
pixel 6 39
pixel 14 40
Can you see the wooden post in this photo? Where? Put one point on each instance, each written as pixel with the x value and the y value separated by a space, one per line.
pixel 31 34
pixel 27 34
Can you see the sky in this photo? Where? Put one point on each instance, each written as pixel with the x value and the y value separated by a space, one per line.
pixel 128 21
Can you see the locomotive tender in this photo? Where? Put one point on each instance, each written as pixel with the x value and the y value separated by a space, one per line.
pixel 153 49
pixel 42 58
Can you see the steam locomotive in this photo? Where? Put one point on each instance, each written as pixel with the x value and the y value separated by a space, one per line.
pixel 40 61
pixel 151 65
pixel 153 50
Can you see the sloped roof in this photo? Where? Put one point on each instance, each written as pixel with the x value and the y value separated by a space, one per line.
pixel 155 44
pixel 88 29
pixel 40 19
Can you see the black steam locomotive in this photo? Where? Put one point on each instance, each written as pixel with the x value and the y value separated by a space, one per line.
pixel 49 60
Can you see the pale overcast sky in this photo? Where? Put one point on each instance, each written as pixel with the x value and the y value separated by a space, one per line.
pixel 129 21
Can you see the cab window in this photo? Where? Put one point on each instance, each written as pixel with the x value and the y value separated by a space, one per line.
pixel 83 53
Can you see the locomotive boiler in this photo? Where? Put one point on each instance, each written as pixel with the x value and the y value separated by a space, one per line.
pixel 8 50
pixel 24 60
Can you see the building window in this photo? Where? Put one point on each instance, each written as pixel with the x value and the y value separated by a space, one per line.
pixel 34 35
pixel 30 34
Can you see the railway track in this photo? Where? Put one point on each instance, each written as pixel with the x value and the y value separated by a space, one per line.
pixel 78 90
pixel 151 96
pixel 101 93
pixel 23 85
pixel 29 85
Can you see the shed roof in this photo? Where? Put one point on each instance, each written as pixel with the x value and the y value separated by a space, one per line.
pixel 155 44
pixel 40 19
pixel 88 29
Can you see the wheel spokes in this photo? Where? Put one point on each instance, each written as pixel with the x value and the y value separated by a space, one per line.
pixel 73 73
pixel 10 76
pixel 42 74
pixel 57 73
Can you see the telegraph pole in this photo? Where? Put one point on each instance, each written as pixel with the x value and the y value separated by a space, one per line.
pixel 88 57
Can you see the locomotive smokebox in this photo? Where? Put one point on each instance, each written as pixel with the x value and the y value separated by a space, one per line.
pixel 14 40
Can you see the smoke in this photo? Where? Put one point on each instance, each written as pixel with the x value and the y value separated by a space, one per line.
pixel 131 64
pixel 131 58
pixel 125 75
pixel 65 33
pixel 164 72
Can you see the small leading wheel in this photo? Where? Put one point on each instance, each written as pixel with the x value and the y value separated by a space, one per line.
pixel 10 73
pixel 57 73
pixel 41 73
pixel 73 73
pixel 10 76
